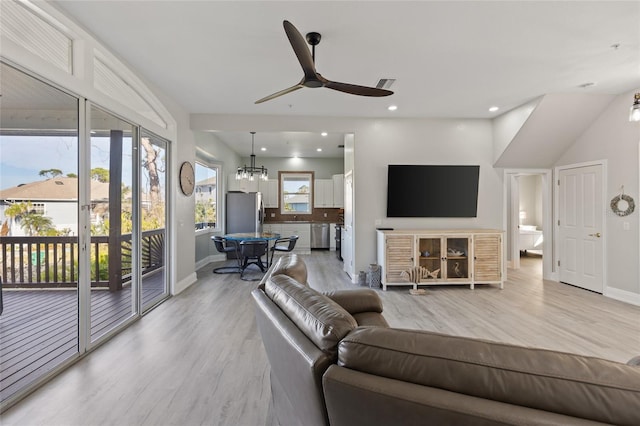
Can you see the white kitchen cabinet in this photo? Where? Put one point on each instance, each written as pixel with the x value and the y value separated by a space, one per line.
pixel 244 185
pixel 303 231
pixel 338 191
pixel 323 193
pixel 269 190
pixel 270 228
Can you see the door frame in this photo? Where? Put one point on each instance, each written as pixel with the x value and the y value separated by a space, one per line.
pixel 511 218
pixel 603 224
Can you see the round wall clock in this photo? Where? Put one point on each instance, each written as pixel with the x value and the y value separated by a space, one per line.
pixel 187 178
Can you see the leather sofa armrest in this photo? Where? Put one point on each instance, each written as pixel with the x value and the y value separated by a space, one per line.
pixel 356 301
pixel 635 361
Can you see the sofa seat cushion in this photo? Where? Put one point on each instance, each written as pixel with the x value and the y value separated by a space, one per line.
pixel 573 385
pixel 321 319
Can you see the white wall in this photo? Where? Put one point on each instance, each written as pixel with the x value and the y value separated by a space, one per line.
pixel 210 150
pixel 507 125
pixel 183 207
pixel 420 141
pixel 613 138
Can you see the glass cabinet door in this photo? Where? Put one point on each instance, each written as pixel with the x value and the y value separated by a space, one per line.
pixel 456 258
pixel 430 256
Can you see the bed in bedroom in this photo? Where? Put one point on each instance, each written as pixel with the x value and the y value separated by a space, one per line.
pixel 530 238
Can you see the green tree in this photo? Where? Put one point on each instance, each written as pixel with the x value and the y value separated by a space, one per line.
pixel 100 174
pixel 37 224
pixel 205 211
pixel 72 175
pixel 50 173
pixel 32 222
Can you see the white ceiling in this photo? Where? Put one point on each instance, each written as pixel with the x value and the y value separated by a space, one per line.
pixel 450 58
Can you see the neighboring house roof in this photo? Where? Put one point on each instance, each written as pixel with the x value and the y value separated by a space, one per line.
pixel 208 181
pixel 298 199
pixel 54 189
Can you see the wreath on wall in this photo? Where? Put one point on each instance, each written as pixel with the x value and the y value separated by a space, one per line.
pixel 622 205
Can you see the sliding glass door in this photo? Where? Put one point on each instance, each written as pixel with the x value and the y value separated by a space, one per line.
pixel 83 227
pixel 152 194
pixel 113 285
pixel 39 262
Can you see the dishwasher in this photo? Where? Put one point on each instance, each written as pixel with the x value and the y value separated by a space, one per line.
pixel 320 236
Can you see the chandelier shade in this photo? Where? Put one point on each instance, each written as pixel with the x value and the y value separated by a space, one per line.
pixel 634 112
pixel 250 172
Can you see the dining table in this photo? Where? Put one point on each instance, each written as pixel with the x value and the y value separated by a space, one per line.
pixel 246 236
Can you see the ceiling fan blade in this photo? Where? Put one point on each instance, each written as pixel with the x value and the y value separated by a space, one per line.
pixel 301 50
pixel 280 93
pixel 354 89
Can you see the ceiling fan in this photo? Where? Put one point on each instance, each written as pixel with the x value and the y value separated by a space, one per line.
pixel 312 78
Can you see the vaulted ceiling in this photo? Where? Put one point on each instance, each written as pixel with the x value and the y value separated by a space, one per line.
pixel 449 58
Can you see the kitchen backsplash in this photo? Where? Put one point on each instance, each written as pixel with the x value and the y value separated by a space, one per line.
pixel 318 215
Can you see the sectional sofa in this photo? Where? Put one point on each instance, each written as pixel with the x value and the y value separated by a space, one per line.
pixel 334 360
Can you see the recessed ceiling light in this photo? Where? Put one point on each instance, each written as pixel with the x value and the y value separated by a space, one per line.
pixel 263 149
pixel 324 133
pixel 392 107
pixel 493 109
pixel 319 149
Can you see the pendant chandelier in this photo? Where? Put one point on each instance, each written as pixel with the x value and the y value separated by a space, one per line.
pixel 634 112
pixel 249 172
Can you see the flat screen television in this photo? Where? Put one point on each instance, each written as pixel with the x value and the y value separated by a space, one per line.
pixel 432 191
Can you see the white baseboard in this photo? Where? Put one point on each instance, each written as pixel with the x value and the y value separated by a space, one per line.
pixel 622 295
pixel 185 283
pixel 211 258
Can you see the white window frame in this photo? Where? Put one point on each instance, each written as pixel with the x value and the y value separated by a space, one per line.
pixel 283 175
pixel 199 195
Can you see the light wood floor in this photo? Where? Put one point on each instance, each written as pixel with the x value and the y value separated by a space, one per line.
pixel 197 358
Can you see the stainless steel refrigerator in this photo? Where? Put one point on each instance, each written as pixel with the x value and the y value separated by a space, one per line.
pixel 244 212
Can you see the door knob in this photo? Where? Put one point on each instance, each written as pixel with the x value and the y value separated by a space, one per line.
pixel 597 235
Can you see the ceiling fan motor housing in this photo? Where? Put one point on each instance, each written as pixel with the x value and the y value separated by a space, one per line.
pixel 313 38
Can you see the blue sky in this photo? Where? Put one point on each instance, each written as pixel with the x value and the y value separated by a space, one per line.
pixel 22 157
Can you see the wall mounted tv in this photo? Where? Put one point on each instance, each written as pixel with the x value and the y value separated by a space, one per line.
pixel 432 191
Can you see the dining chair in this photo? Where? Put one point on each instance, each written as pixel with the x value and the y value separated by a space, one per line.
pixel 283 245
pixel 227 246
pixel 251 252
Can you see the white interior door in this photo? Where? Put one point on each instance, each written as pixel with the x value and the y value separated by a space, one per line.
pixel 580 227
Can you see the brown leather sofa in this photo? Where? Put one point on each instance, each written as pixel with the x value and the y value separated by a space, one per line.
pixel 334 360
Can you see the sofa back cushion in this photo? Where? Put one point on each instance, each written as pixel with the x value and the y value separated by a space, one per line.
pixel 292 266
pixel 321 319
pixel 573 385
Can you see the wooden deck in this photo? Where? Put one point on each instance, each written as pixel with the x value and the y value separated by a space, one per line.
pixel 39 328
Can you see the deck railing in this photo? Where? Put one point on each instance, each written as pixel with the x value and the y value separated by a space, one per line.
pixel 52 262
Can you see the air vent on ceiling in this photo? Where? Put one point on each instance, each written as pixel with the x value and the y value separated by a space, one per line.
pixel 385 83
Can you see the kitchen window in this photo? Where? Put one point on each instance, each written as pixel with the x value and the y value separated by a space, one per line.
pixel 206 194
pixel 296 192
